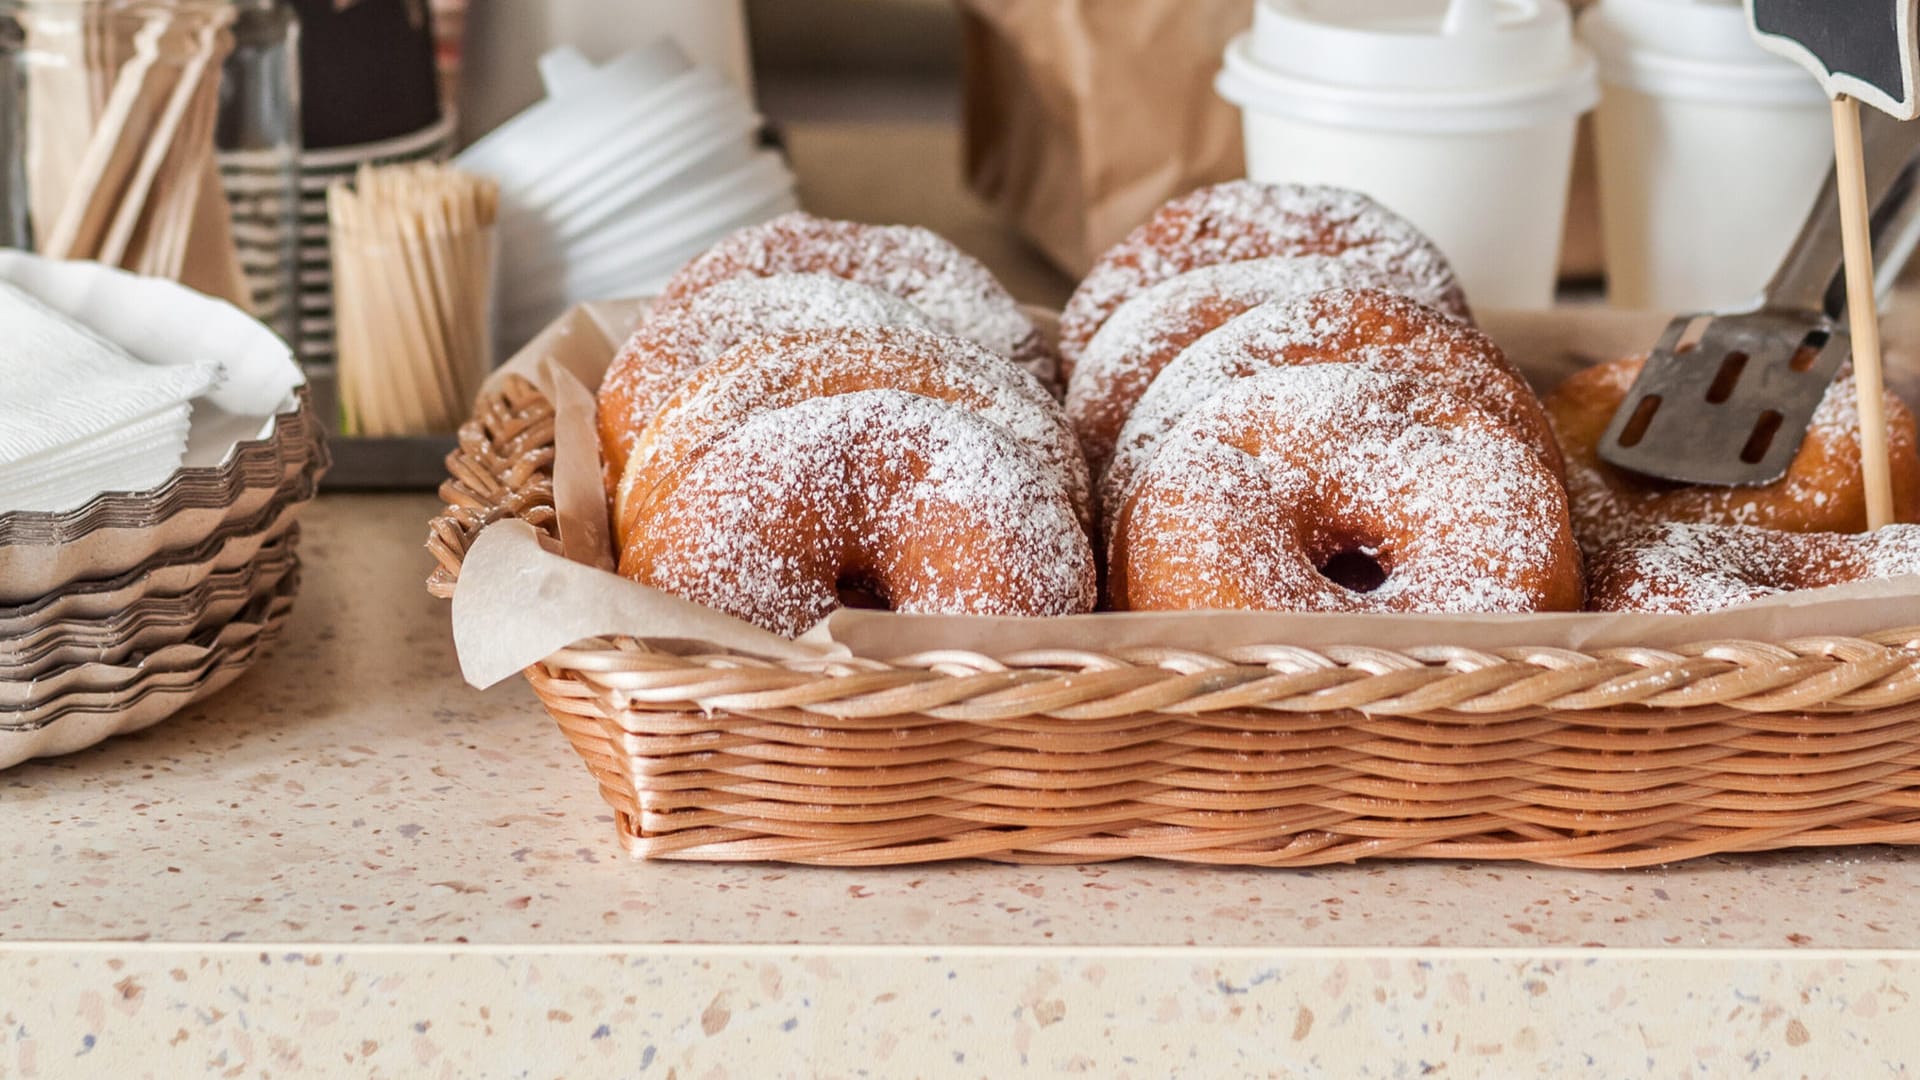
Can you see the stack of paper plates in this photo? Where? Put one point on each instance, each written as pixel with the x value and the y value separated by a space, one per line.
pixel 117 612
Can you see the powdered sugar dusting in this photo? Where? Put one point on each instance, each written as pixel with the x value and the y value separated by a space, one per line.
pixel 680 337
pixel 773 372
pixel 1288 468
pixel 1681 567
pixel 1822 491
pixel 1247 219
pixel 1342 326
pixel 1149 330
pixel 956 292
pixel 937 507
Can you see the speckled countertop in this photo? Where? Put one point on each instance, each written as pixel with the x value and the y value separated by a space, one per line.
pixel 351 862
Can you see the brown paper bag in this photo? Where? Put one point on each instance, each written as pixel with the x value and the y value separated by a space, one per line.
pixel 1084 115
pixel 1581 257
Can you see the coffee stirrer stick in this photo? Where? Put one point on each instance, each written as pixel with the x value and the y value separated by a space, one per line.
pixel 1850 170
pixel 139 93
pixel 148 190
pixel 406 328
pixel 61 102
pixel 1847 47
pixel 423 246
pixel 138 128
pixel 412 254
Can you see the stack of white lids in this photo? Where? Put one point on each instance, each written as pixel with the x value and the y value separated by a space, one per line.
pixel 622 174
pixel 79 416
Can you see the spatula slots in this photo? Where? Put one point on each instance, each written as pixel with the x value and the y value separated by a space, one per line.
pixel 1725 398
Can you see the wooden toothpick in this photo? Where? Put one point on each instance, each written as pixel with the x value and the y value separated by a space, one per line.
pixel 1862 311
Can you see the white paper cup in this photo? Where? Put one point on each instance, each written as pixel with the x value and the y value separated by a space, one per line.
pixel 1710 151
pixel 1459 117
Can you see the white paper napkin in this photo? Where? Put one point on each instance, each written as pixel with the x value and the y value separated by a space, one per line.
pixel 79 415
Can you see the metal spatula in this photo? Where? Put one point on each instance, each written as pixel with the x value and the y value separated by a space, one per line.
pixel 1725 398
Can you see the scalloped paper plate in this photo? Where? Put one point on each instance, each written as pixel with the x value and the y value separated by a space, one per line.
pixel 251 436
pixel 148 623
pixel 111 691
pixel 82 720
pixel 111 544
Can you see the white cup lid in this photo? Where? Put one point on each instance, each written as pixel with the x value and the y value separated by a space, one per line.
pixel 1415 65
pixel 1696 49
pixel 1414 44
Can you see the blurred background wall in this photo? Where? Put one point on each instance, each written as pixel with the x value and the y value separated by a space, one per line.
pixel 811 58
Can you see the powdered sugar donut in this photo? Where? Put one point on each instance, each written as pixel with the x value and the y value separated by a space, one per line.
pixel 877 497
pixel 679 337
pixel 1149 330
pixel 953 289
pixel 1337 488
pixel 773 372
pixel 1367 327
pixel 1822 492
pixel 1681 567
pixel 1247 219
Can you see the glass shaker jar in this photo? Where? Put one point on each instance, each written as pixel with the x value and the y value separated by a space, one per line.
pixel 258 142
pixel 114 115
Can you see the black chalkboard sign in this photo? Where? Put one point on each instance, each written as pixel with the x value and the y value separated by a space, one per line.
pixel 1861 48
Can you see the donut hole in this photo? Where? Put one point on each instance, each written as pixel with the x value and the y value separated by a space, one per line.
pixel 861 591
pixel 1356 568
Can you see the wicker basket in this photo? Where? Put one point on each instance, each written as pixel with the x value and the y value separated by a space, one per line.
pixel 1274 755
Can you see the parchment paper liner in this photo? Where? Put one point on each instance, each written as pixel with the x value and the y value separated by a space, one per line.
pixel 517 602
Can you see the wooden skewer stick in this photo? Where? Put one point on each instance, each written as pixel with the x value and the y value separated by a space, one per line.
pixel 412 270
pixel 1851 171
